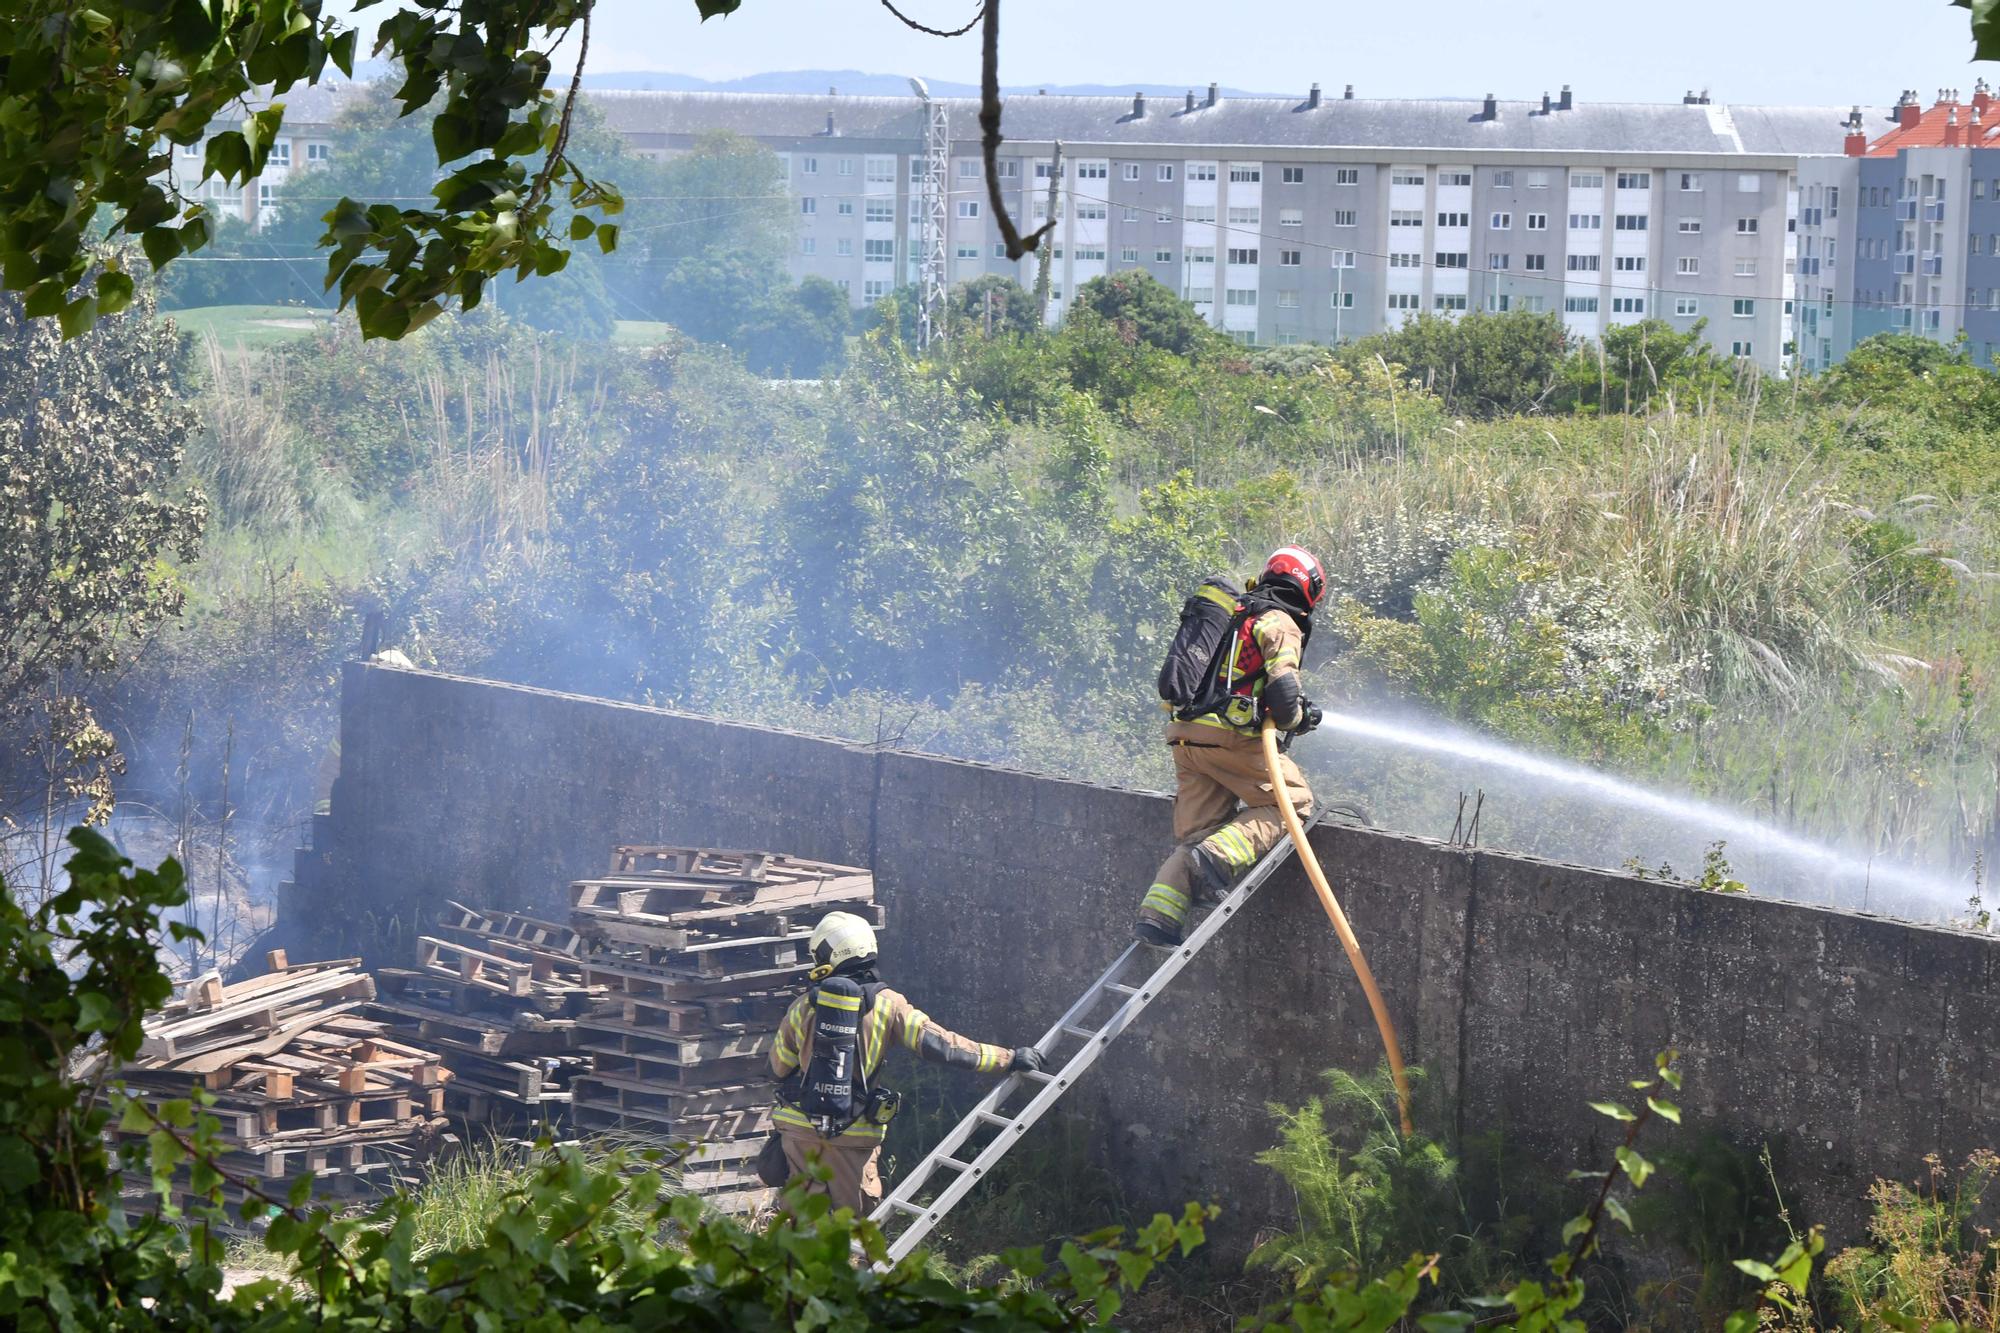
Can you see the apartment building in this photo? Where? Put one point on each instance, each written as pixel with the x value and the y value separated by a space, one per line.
pixel 1316 218
pixel 1901 234
pixel 305 138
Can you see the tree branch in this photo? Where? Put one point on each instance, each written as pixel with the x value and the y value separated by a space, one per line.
pixel 935 32
pixel 556 150
pixel 990 140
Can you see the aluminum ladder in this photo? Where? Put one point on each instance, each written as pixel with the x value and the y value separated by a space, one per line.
pixel 905 1220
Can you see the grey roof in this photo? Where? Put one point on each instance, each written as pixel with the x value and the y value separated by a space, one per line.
pixel 1600 127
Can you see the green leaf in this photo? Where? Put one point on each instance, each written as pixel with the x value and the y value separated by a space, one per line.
pixel 161 244
pixel 94 1010
pixel 18 1167
pixel 1763 1272
pixel 1616 1209
pixel 716 8
pixel 580 227
pixel 1664 1109
pixel 114 291
pixel 607 237
pixel 1614 1110
pixel 1637 1168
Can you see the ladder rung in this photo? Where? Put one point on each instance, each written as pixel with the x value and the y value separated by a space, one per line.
pixel 1083 1034
pixel 1036 1075
pixel 904 1207
pixel 954 1163
pixel 1000 1120
pixel 1121 988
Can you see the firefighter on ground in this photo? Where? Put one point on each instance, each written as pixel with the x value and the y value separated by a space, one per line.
pixel 1218 753
pixel 828 1052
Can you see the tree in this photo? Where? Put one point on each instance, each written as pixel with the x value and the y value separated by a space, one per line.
pixel 1146 309
pixel 1636 363
pixel 1480 364
pixel 91 434
pixel 991 304
pixel 801 331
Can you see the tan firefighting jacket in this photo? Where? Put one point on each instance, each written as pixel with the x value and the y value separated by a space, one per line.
pixel 892 1019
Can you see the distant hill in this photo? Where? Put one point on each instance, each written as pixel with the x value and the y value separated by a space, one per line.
pixel 854 82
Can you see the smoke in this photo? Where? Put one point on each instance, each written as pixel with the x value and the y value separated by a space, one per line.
pixel 1412 771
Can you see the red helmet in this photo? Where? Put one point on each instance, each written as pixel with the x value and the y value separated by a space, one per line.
pixel 1300 568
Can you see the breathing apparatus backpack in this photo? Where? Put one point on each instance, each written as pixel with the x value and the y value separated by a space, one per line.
pixel 1191 679
pixel 833 1088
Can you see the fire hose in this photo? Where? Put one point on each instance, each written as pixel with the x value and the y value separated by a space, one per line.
pixel 1383 1023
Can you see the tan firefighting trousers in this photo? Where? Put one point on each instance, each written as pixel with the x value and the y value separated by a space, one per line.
pixel 1214 769
pixel 856 1184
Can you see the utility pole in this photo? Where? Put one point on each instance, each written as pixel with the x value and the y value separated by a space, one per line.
pixel 1046 251
pixel 931 220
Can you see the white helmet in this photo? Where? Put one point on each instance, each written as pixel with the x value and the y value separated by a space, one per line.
pixel 840 938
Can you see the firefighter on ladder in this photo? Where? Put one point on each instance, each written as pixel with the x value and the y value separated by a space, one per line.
pixel 1218 758
pixel 829 1048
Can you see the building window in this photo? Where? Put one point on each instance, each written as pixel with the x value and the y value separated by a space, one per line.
pixel 1405 217
pixel 1746 268
pixel 1499 303
pixel 1239 296
pixel 1201 254
pixel 1586 221
pixel 1288 300
pixel 968 208
pixel 1635 180
pixel 1689 226
pixel 1129 255
pixel 1089 252
pixel 1742 307
pixel 1534 305
pixel 1406 261
pixel 1343 259
pixel 808 205
pixel 1749 182
pixel 1293 175
pixel 1686 306
pixel 1503 180
pixel 1288 258
pixel 281 153
pixel 878 252
pixel 1628 305
pixel 1405 176
pixel 1091 210
pixel 1454 219
pixel 916 169
pixel 1343 217
pixel 1451 259
pixel 844 246
pixel 1291 217
pixel 845 208
pixel 1201 171
pixel 1586 180
pixel 1250 174
pixel 1347 175
pixel 1746 226
pixel 1164 172
pixel 1688 266
pixel 1690 182
pixel 881 210
pixel 1010 170
pixel 265 195
pixel 968 168
pixel 1405 301
pixel 874 289
pixel 1454 178
pixel 1501 221
pixel 1536 222
pixel 881 171
pixel 1200 213
pixel 1579 305
pixel 1042 170
pixel 1449 301
pixel 972 251
pixel 1342 300
pixel 1535 263
pixel 1242 256
pixel 1538 180
pixel 1128 171
pixel 1201 295
pixel 1583 263
pixel 1630 263
pixel 808 245
pixel 1093 171
pixel 1246 217
pixel 844 285
pixel 1630 222
pixel 319 152
pixel 1498 262
pixel 1131 215
pixel 1163 256
pixel 1740 349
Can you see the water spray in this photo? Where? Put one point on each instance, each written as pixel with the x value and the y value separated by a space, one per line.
pixel 1383 1023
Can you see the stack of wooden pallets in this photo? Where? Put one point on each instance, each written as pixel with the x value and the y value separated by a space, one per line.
pixel 302 1080
pixel 698 952
pixel 497 994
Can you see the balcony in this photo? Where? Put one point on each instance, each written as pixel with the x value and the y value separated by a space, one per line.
pixel 1933 265
pixel 1934 212
pixel 1906 210
pixel 1903 264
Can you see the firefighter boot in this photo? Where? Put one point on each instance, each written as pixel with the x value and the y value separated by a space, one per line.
pixel 1212 878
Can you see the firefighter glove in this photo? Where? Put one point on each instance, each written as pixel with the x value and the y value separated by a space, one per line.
pixel 1309 717
pixel 1026 1058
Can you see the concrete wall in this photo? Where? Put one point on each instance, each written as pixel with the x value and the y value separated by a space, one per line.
pixel 1854 1045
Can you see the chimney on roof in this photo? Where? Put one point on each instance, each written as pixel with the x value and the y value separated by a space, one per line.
pixel 1138 106
pixel 1689 99
pixel 1951 127
pixel 1348 96
pixel 1909 114
pixel 1856 143
pixel 1214 94
pixel 1312 98
pixel 1490 108
pixel 832 91
pixel 1041 92
pixel 1190 101
pixel 1705 99
pixel 1565 102
pixel 1547 105
pixel 1982 95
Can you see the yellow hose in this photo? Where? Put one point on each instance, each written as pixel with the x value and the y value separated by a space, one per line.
pixel 1383 1023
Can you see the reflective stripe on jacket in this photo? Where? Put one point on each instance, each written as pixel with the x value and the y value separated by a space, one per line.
pixel 1266 649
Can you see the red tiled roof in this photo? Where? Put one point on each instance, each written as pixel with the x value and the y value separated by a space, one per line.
pixel 1936 128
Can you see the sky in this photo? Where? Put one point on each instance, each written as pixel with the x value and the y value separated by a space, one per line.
pixel 1831 52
